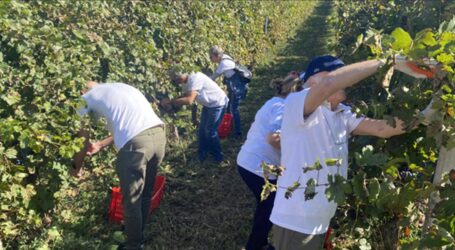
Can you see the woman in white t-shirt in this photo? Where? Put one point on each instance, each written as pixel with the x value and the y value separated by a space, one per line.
pixel 236 84
pixel 263 145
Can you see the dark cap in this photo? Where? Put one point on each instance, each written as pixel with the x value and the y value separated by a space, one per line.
pixel 320 64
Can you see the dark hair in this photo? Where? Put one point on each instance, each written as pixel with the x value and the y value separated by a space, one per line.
pixel 284 86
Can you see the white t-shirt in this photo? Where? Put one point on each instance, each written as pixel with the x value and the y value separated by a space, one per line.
pixel 324 134
pixel 226 67
pixel 125 108
pixel 209 93
pixel 256 147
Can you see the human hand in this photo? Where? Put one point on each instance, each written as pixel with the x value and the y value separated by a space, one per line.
pixel 166 104
pixel 76 172
pixel 401 63
pixel 94 148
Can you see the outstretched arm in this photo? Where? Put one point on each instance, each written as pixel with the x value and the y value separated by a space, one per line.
pixel 379 128
pixel 323 86
pixel 215 75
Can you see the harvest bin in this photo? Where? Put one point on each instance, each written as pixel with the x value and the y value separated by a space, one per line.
pixel 225 126
pixel 116 208
pixel 327 243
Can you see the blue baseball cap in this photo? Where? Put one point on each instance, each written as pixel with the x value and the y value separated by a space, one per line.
pixel 321 64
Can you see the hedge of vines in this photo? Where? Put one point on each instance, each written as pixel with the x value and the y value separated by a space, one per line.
pixel 383 204
pixel 48 49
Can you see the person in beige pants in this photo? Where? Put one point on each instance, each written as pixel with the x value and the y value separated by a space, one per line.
pixel 140 138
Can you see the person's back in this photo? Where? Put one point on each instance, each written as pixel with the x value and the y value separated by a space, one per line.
pixel 140 138
pixel 125 108
pixel 209 93
pixel 256 147
pixel 226 67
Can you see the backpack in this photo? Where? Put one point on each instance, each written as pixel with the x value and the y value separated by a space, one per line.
pixel 244 71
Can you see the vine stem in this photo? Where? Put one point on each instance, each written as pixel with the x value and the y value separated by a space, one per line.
pixel 303 187
pixel 356 218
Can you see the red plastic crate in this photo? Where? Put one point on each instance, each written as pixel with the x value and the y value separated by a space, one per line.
pixel 225 126
pixel 327 243
pixel 116 208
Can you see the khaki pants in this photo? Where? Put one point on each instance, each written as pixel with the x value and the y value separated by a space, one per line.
pixel 136 167
pixel 285 239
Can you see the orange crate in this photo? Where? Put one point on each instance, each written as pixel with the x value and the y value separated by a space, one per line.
pixel 116 208
pixel 225 126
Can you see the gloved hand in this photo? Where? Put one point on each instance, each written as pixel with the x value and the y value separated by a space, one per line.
pixel 410 68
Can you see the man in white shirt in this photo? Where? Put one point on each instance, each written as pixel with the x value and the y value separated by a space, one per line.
pixel 139 135
pixel 200 88
pixel 317 126
pixel 236 84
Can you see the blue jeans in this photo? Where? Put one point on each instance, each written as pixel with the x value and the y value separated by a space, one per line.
pixel 209 142
pixel 237 89
pixel 261 222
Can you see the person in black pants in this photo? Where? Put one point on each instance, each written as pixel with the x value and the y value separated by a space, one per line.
pixel 263 145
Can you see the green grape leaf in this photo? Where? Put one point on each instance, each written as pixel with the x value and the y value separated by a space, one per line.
pixel 316 166
pixel 310 189
pixel 291 189
pixel 368 158
pixel 12 97
pixel 403 40
pixel 373 189
pixel 11 153
pixel 267 189
pixel 359 186
pixel 335 191
pixel 333 162
pixel 425 37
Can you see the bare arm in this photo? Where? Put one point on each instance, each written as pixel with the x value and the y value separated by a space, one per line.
pixel 379 128
pixel 187 99
pixel 324 86
pixel 79 156
pixel 97 146
pixel 274 139
pixel 214 76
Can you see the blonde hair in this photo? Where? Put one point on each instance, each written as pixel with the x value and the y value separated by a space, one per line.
pixel 284 86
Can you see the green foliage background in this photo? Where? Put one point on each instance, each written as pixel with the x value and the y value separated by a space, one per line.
pixel 48 49
pixel 384 201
